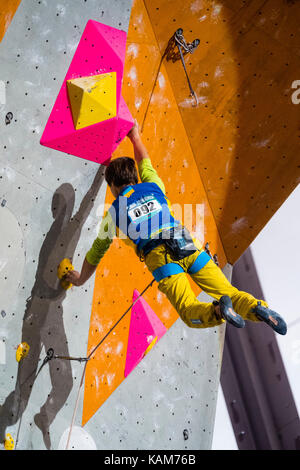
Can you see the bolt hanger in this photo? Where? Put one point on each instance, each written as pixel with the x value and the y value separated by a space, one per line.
pixel 187 47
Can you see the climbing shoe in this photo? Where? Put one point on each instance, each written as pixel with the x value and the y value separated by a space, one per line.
pixel 273 319
pixel 227 312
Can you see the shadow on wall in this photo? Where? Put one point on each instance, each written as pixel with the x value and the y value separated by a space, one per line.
pixel 43 319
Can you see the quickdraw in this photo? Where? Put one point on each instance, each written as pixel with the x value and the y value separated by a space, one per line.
pixel 177 40
pixel 187 48
pixel 51 355
pixel 213 257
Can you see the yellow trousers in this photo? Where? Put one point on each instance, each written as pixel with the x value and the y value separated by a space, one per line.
pixel 210 279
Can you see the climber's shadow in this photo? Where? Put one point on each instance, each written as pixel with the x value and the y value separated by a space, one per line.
pixel 43 319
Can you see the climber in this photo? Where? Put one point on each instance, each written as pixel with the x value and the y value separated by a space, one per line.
pixel 142 213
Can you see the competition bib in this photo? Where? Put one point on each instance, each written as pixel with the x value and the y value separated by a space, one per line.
pixel 143 210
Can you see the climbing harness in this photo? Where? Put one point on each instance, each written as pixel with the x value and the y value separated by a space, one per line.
pixel 173 268
pixel 213 257
pixel 179 242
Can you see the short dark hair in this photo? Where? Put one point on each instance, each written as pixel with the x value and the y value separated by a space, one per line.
pixel 121 171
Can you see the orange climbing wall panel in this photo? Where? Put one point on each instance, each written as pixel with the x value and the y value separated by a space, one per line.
pixel 120 271
pixel 244 134
pixel 7 10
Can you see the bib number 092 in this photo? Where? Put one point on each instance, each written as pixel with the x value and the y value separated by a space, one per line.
pixel 145 209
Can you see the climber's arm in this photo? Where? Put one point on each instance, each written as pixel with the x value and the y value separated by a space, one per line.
pixel 76 278
pixel 146 171
pixel 92 258
pixel 149 175
pixel 140 151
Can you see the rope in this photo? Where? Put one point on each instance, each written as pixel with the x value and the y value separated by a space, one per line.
pixel 47 359
pixel 181 43
pixel 188 80
pixel 176 39
pixel 92 352
pixel 50 355
pixel 152 91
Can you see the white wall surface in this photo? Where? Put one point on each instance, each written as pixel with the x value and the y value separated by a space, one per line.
pixel 276 253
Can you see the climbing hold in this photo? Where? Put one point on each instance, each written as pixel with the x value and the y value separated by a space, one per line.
pixel 50 354
pixel 93 99
pixel 65 284
pixel 8 118
pixel 62 270
pixel 89 126
pixel 150 346
pixel 9 443
pixel 144 332
pixel 22 351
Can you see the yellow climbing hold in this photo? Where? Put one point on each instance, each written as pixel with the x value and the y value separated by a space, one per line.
pixel 22 351
pixel 9 443
pixel 63 268
pixel 150 346
pixel 93 99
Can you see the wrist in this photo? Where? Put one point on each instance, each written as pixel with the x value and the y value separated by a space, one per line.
pixel 77 282
pixel 134 137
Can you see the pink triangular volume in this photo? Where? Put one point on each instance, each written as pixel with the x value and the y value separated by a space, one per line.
pixel 125 123
pixel 145 326
pixel 101 50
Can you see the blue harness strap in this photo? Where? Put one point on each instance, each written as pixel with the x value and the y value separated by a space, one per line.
pixel 167 270
pixel 199 263
pixel 173 268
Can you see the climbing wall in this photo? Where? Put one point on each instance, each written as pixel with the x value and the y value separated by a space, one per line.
pixel 227 165
pixel 87 118
pixel 51 206
pixel 163 131
pixel 245 133
pixel 7 11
